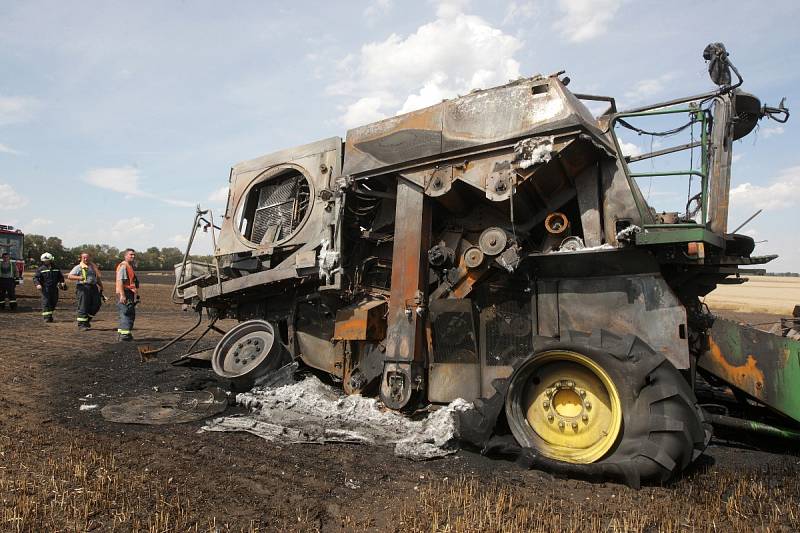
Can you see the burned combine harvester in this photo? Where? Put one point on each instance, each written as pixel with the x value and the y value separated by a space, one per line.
pixel 496 247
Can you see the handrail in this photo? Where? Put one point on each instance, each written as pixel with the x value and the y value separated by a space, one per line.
pixel 698 115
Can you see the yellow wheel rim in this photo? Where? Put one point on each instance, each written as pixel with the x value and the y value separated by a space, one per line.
pixel 572 407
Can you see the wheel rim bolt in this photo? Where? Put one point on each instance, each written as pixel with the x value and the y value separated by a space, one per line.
pixel 585 417
pixel 575 426
pixel 587 404
pixel 546 404
pixel 582 393
pixel 570 384
pixel 550 417
pixel 561 424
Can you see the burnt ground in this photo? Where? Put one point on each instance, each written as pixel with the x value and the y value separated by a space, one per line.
pixel 62 468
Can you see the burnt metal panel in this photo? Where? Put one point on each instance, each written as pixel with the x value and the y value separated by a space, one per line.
pixel 313 330
pixel 454 339
pixel 642 305
pixel 587 186
pixel 454 371
pixel 720 172
pixel 547 308
pixel 618 199
pixel 763 365
pixel 364 321
pixel 394 140
pixel 506 336
pixel 319 163
pixel 519 109
pixel 238 284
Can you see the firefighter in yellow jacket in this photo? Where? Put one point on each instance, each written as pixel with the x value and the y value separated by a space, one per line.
pixel 88 290
pixel 127 289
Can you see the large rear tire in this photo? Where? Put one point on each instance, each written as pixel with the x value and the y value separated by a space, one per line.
pixel 602 399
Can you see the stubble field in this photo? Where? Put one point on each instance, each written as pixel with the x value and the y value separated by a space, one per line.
pixel 67 469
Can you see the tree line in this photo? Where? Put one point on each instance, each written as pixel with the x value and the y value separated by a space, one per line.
pixel 106 257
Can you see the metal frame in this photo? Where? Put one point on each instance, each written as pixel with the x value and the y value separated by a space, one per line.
pixel 698 115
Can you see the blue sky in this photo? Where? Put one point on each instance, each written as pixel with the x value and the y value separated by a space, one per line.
pixel 116 118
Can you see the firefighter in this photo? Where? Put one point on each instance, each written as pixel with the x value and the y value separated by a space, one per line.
pixel 8 282
pixel 127 289
pixel 49 279
pixel 88 290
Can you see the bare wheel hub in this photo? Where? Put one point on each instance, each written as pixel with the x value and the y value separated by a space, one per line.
pixel 564 405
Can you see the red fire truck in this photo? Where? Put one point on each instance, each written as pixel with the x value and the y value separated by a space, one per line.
pixel 11 241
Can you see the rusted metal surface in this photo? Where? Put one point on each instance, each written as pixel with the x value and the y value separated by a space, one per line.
pixel 720 172
pixel 519 109
pixel 405 339
pixel 365 321
pixel 760 364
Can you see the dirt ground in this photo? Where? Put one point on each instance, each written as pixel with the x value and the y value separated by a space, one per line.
pixel 67 469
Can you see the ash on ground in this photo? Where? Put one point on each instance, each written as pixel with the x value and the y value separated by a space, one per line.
pixel 310 411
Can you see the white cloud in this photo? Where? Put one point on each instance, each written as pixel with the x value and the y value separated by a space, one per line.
pixel 5 149
pixel 452 55
pixel 219 197
pixel 130 227
pixel 180 240
pixel 377 9
pixel 783 192
pixel 363 111
pixel 10 199
pixel 583 20
pixel 517 12
pixel 125 180
pixel 770 131
pixel 450 8
pixel 629 148
pixel 120 179
pixel 14 109
pixel 649 88
pixel 736 157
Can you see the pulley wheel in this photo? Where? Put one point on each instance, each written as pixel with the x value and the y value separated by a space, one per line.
pixel 556 223
pixel 473 257
pixel 248 351
pixel 493 241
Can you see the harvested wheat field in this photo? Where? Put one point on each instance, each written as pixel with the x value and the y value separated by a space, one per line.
pixel 760 294
pixel 64 468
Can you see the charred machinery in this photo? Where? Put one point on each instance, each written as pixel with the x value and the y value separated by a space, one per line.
pixel 497 247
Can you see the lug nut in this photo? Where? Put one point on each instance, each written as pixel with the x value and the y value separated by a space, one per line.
pixel 550 417
pixel 575 426
pixel 587 404
pixel 546 404
pixel 570 384
pixel 585 417
pixel 582 393
pixel 561 424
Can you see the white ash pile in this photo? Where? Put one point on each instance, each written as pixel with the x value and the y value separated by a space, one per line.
pixel 313 412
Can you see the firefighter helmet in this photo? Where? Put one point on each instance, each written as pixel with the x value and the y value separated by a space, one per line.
pixel 47 256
